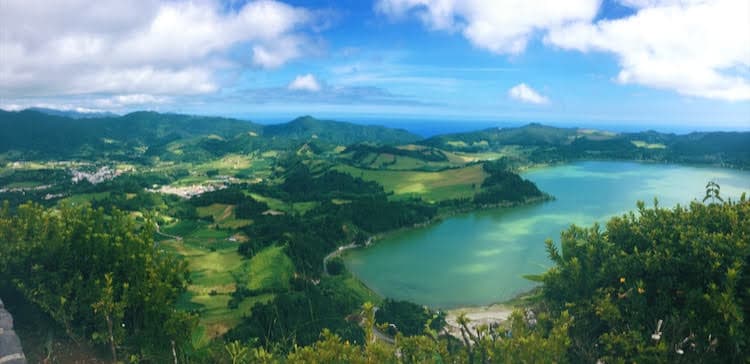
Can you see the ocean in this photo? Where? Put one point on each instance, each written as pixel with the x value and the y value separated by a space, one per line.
pixel 431 127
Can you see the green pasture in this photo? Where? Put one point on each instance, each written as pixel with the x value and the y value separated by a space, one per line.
pixel 216 268
pixel 270 269
pixel 431 186
pixel 273 203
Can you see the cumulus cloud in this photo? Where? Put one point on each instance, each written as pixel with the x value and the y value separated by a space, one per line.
pixel 140 47
pixel 694 47
pixel 639 4
pixel 522 92
pixel 697 48
pixel 305 83
pixel 500 26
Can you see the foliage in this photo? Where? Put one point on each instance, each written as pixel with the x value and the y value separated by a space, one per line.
pixel 336 266
pixel 502 185
pixel 139 201
pixel 409 318
pixel 98 276
pixel 301 185
pixel 713 191
pixel 298 316
pixel 525 342
pixel 685 267
pixel 377 214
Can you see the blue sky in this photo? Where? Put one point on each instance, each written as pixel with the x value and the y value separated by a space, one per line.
pixel 678 63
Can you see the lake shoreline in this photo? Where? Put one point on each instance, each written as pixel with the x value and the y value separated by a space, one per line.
pixel 580 189
pixel 342 251
pixel 455 212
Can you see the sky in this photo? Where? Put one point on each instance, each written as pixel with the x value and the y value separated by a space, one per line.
pixel 682 63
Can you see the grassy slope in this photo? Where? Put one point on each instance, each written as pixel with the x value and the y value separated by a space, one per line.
pixel 216 270
pixel 431 186
pixel 269 269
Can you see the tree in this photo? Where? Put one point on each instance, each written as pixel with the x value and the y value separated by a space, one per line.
pixel 112 311
pixel 712 192
pixel 336 266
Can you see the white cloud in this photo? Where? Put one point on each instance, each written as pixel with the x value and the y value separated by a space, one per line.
pixel 275 55
pixel 500 26
pixel 74 47
pixel 639 4
pixel 305 83
pixel 120 101
pixel 697 48
pixel 694 47
pixel 522 92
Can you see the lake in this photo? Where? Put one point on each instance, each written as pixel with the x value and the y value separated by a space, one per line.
pixel 479 258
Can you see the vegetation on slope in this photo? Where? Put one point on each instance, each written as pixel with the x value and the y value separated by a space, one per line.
pixel 97 276
pixel 686 268
pixel 307 128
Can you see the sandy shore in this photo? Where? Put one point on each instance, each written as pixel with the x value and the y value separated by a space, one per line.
pixel 483 315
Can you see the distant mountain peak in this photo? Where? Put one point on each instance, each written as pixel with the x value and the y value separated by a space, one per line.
pixel 305 118
pixel 308 127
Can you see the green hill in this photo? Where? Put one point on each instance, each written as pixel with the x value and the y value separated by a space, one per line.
pixel 37 134
pixel 308 128
pixel 488 139
pixel 544 144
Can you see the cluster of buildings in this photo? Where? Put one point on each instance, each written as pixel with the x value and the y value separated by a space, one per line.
pixel 187 191
pixel 105 173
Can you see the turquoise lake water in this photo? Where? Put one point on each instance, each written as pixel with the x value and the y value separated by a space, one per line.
pixel 479 258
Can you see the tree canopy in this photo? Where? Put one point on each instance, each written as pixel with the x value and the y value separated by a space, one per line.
pixel 99 276
pixel 658 285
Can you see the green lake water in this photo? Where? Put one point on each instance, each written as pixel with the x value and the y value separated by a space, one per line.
pixel 479 258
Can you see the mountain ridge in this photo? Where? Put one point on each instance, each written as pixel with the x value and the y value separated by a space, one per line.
pixel 31 133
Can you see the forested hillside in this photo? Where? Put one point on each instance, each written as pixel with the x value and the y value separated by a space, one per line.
pixel 336 132
pixel 44 136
